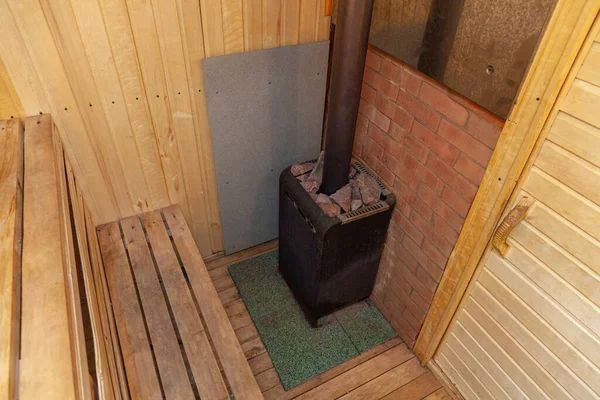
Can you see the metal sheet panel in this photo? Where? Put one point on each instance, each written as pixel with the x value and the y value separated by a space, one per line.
pixel 266 113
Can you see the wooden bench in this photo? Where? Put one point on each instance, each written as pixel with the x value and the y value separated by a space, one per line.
pixel 132 315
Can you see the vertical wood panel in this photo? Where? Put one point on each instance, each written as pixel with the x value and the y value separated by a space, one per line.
pixel 233 30
pixel 253 34
pixel 10 105
pixel 308 20
pixel 290 22
pixel 271 30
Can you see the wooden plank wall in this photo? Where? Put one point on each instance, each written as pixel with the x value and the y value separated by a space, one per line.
pixel 123 81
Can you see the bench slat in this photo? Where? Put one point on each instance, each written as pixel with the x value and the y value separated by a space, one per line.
pixel 11 208
pixel 203 364
pixel 230 354
pixel 170 362
pixel 139 363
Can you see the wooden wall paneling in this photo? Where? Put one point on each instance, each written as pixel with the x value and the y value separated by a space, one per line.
pixel 290 22
pixel 30 22
pixel 104 372
pixel 68 41
pixel 323 22
pixel 10 105
pixel 560 45
pixel 253 25
pixel 19 67
pixel 308 18
pixel 233 29
pixel 271 19
pixel 11 225
pixel 194 52
pixel 109 43
pixel 141 17
pixel 216 33
pixel 172 50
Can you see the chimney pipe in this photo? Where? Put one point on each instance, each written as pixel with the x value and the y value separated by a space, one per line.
pixel 349 55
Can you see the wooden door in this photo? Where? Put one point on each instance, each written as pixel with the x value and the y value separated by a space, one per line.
pixel 529 325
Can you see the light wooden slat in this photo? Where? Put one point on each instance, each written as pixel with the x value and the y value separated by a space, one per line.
pixel 271 20
pixel 553 314
pixel 233 28
pixel 323 21
pixel 589 70
pixel 267 380
pixel 106 313
pixel 388 382
pixel 105 372
pixel 308 18
pixel 169 359
pixel 253 25
pixel 70 265
pixel 260 363
pixel 290 22
pixel 473 369
pixel 551 338
pixel 232 359
pixel 10 105
pixel 246 333
pixel 225 261
pixel 557 288
pixel 360 374
pixel 32 25
pixel 567 235
pixel 466 374
pixel 143 28
pixel 440 394
pixel 68 41
pixel 484 359
pixel 568 203
pixel 576 136
pixel 417 389
pixel 142 376
pixel 253 348
pixel 195 342
pixel 115 20
pixel 11 218
pixel 47 366
pixel 510 366
pixel 553 256
pixel 570 170
pixel 215 26
pixel 562 373
pixel 583 102
pixel 458 381
pixel 172 50
pixel 191 27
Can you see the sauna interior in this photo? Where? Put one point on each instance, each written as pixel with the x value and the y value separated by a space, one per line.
pixel 311 199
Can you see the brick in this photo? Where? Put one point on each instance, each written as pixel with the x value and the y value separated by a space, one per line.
pixel 430 233
pixel 443 104
pixel 380 84
pixel 392 147
pixel 360 134
pixel 415 147
pixel 403 118
pixel 368 93
pixel 457 203
pixel 438 258
pixel 373 149
pixel 465 142
pixel 415 251
pixel 484 131
pixel 469 169
pixel 406 226
pixel 381 120
pixel 361 120
pixel 445 229
pixel 409 304
pixel 435 143
pixel 366 109
pixel 375 133
pixel 389 161
pixel 451 177
pixel 420 301
pixel 421 111
pixel 396 232
pixel 407 333
pixel 429 178
pixel 414 322
pixel 419 206
pixel 426 280
pixel 393 303
pixel 384 105
pixel 373 60
pixel 440 208
pixel 357 150
pixel 425 288
pixel 396 132
pixel 384 173
pixel 398 284
pixel 400 76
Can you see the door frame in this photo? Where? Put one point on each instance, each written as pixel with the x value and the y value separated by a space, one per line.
pixel 560 53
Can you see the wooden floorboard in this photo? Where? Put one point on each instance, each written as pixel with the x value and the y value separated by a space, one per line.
pixel 389 370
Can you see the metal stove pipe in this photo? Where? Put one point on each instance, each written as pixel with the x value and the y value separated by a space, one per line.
pixel 349 54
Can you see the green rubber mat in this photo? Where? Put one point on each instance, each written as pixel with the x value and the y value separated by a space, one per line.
pixel 297 350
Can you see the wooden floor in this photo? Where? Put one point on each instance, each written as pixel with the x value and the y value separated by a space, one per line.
pixel 387 371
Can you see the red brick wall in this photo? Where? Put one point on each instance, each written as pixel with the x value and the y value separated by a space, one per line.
pixel 431 146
